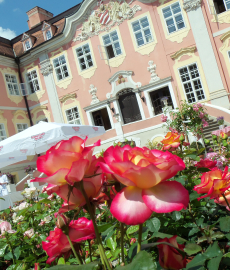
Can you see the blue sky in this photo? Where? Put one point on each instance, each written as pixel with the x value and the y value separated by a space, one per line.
pixel 13 17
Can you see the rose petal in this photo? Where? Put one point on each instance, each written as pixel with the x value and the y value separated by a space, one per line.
pixel 56 179
pixel 77 171
pixel 128 206
pixel 166 197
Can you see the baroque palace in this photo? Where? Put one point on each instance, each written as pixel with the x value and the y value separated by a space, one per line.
pixel 110 63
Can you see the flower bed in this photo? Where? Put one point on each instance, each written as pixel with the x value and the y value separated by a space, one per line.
pixel 131 208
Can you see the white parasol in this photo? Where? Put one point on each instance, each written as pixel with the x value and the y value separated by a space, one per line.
pixel 39 138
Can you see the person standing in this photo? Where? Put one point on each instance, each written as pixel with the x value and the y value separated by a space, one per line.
pixel 3 184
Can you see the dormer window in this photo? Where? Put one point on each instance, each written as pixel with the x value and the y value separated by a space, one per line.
pixel 48 30
pixel 27 45
pixel 48 35
pixel 28 41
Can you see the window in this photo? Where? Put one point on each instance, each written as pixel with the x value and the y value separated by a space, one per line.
pixel 73 116
pixel 48 35
pixel 129 107
pixel 221 5
pixel 21 127
pixel 32 80
pixel 60 67
pixel 44 120
pixel 2 132
pixel 112 44
pixel 191 81
pixel 173 17
pixel 27 45
pixel 101 118
pixel 156 97
pixel 84 57
pixel 142 31
pixel 12 84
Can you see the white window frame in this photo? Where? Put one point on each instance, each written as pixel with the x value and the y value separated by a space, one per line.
pixel 155 88
pixel 2 130
pixel 74 119
pixel 33 82
pixel 112 43
pixel 48 30
pixel 12 85
pixel 191 80
pixel 61 68
pixel 142 31
pixel 84 56
pixel 25 47
pixel 23 125
pixel 173 17
pixel 90 115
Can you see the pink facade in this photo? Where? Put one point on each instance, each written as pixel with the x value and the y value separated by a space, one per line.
pixel 110 64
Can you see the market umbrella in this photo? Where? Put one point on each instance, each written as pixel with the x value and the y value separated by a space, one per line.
pixel 39 138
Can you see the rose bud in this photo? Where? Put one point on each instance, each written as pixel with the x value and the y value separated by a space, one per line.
pixel 206 141
pixel 181 137
pixel 63 223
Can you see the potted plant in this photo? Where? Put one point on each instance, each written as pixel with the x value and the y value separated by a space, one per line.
pixel 29 170
pixel 220 121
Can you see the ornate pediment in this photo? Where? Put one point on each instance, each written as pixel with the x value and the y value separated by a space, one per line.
pixel 105 17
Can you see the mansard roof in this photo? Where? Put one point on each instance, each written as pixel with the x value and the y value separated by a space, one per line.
pixel 8 47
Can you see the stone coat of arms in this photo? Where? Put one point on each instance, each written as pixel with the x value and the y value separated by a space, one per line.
pixel 105 17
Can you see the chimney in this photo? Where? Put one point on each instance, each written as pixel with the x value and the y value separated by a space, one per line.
pixel 37 15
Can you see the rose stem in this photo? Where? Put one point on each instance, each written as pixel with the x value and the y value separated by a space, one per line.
pixel 122 243
pixel 226 200
pixel 101 249
pixel 139 238
pixel 90 255
pixel 74 251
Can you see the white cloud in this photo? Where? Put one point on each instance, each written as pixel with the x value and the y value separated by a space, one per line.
pixel 1 1
pixel 7 33
pixel 14 10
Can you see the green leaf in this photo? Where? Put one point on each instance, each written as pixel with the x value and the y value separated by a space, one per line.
pixel 61 261
pixel 213 264
pixel 111 244
pixel 107 231
pixel 163 235
pixel 89 266
pixel 153 224
pixel 3 247
pixel 193 196
pixel 104 227
pixel 225 224
pixel 191 248
pixel 132 229
pixel 193 231
pixel 44 195
pixel 7 211
pixel 44 201
pixel 176 215
pixel 181 179
pixel 2 199
pixel 108 254
pixel 203 169
pixel 17 252
pixel 198 260
pixel 142 261
pixel 194 157
pixel 213 251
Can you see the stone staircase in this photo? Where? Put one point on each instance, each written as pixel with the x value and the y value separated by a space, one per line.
pixel 213 125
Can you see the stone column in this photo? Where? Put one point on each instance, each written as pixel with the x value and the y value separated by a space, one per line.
pixel 218 94
pixel 47 72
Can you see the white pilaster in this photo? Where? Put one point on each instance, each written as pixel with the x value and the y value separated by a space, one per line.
pixel 47 71
pixel 206 53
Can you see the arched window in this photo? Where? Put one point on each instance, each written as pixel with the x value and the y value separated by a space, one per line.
pixel 48 35
pixel 129 106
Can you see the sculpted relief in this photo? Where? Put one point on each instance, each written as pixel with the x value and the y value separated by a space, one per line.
pixel 105 17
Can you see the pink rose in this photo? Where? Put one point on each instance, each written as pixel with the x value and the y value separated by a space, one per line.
pixel 5 226
pixel 29 233
pixel 144 173
pixel 57 243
